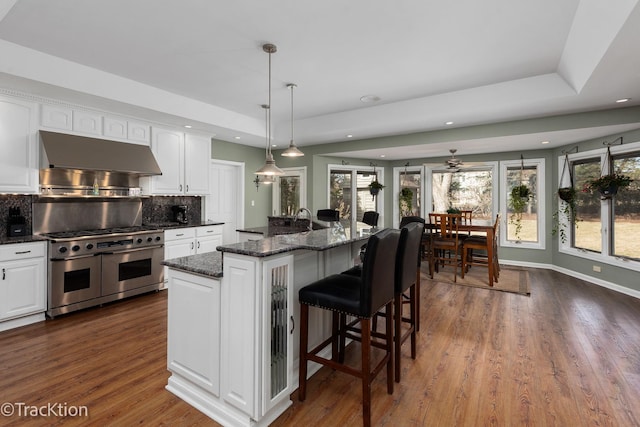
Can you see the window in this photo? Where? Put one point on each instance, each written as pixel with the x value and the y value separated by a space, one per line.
pixel 407 189
pixel 342 192
pixel 469 188
pixel 607 230
pixel 524 230
pixel 290 192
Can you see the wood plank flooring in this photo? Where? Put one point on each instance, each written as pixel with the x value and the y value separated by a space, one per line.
pixel 568 355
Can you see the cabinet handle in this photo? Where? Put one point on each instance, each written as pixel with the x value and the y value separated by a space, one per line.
pixel 180 187
pixel 181 234
pixel 191 245
pixel 4 274
pixel 293 325
pixel 198 244
pixel 22 252
pixel 187 188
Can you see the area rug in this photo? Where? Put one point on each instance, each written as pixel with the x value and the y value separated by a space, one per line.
pixel 512 279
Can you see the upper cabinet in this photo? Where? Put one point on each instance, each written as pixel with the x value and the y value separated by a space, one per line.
pixel 94 124
pixel 18 145
pixel 184 161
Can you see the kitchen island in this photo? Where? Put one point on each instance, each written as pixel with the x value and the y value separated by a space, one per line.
pixel 233 339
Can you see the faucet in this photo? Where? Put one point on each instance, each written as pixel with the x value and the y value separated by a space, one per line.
pixel 310 227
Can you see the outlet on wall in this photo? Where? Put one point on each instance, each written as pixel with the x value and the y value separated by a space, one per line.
pixel 597 268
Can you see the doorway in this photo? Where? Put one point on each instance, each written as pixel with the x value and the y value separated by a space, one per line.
pixel 225 203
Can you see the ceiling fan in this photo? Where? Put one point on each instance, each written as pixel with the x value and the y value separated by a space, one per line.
pixel 453 162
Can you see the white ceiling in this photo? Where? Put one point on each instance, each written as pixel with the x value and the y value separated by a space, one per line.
pixel 201 62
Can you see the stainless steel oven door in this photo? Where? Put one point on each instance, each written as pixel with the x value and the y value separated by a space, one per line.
pixel 131 269
pixel 74 280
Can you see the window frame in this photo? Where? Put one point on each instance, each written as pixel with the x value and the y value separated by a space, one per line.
pixel 379 170
pixel 427 191
pixel 539 164
pixel 605 256
pixel 300 171
pixel 397 171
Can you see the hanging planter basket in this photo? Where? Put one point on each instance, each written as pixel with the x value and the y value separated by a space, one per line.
pixel 608 185
pixel 567 194
pixel 374 188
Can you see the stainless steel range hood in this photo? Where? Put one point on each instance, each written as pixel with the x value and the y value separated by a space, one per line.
pixel 92 154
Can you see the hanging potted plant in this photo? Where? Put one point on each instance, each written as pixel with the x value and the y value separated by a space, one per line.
pixel 375 187
pixel 406 201
pixel 520 196
pixel 608 185
pixel 566 213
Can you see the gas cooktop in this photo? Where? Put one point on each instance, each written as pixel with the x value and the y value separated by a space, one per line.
pixel 101 232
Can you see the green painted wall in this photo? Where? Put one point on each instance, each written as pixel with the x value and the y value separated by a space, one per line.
pixel 317 157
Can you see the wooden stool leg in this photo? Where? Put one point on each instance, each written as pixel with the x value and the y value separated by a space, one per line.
pixel 335 336
pixel 418 300
pixel 397 335
pixel 365 346
pixel 304 338
pixel 413 294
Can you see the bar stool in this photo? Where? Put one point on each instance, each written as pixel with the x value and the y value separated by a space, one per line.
pixel 370 218
pixel 360 297
pixel 425 249
pixel 407 278
pixel 328 215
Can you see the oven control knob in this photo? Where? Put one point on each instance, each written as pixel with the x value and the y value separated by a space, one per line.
pixel 139 240
pixel 75 248
pixel 157 238
pixel 149 239
pixel 90 246
pixel 62 249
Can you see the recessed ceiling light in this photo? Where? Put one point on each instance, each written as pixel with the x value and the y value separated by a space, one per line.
pixel 349 136
pixel 545 142
pixel 448 123
pixel 621 100
pixel 187 126
pixel 236 137
pixel 274 145
pixel 369 98
pixel 382 155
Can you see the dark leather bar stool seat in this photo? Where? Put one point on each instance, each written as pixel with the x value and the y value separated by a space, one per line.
pixel 425 248
pixel 361 297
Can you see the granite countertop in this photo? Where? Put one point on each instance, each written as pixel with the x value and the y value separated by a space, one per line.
pixel 317 240
pixel 4 240
pixel 207 264
pixel 172 225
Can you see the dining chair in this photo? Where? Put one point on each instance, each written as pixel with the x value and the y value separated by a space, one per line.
pixel 371 218
pixel 445 243
pixel 328 215
pixel 469 258
pixel 361 297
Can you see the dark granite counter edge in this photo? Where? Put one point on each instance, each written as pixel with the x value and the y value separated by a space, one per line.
pixel 21 239
pixel 208 264
pixel 174 225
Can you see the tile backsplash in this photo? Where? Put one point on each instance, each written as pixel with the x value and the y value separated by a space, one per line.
pixel 155 210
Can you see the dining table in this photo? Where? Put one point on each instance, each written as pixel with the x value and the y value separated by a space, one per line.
pixel 479 226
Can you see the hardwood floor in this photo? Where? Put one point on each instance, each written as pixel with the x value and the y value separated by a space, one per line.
pixel 567 355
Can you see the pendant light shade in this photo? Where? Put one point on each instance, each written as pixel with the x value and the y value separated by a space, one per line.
pixel 292 151
pixel 269 168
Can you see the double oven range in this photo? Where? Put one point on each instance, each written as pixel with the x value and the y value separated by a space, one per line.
pixel 98 252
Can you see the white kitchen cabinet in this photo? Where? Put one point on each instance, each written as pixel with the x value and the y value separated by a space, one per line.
pixel 184 161
pixel 22 284
pixel 19 146
pixel 115 127
pixel 57 117
pixel 208 238
pixel 193 332
pixel 138 133
pixel 87 123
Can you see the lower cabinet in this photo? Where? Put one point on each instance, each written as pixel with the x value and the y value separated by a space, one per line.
pixel 193 331
pixel 22 284
pixel 230 340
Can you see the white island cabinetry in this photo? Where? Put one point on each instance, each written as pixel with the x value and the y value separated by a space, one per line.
pixel 249 320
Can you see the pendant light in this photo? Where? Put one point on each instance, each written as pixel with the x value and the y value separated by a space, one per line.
pixel 269 168
pixel 292 151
